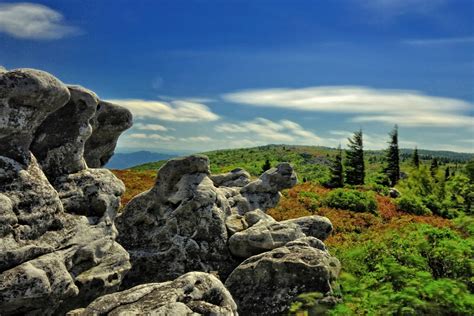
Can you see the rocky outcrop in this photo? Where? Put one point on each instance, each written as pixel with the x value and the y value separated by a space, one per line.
pixel 195 293
pixel 180 224
pixel 109 121
pixel 235 178
pixel 265 284
pixel 57 232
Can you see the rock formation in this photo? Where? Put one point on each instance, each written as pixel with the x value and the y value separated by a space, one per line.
pixel 57 233
pixel 195 293
pixel 63 249
pixel 109 121
pixel 180 224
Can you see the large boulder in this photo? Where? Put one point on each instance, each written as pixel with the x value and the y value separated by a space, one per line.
pixel 267 283
pixel 235 178
pixel 27 97
pixel 314 226
pixel 178 226
pixel 195 293
pixel 57 235
pixel 262 234
pixel 110 120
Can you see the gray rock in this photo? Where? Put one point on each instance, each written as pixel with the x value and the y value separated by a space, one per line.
pixel 236 178
pixel 178 226
pixel 263 237
pixel 267 283
pixel 195 293
pixel 264 193
pixel 60 139
pixel 52 260
pixel 109 121
pixel 315 226
pixel 394 193
pixel 27 97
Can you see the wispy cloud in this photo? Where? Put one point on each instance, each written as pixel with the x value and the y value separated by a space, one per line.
pixel 175 111
pixel 33 21
pixel 407 108
pixel 151 137
pixel 268 131
pixel 150 127
pixel 439 41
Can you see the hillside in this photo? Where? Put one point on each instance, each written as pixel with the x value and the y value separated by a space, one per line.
pixel 310 162
pixel 128 160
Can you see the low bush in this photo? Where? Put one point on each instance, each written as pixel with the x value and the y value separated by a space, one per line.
pixel 412 204
pixel 352 200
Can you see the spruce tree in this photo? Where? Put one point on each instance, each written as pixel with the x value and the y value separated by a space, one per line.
pixel 337 172
pixel 434 167
pixel 416 158
pixel 446 173
pixel 266 166
pixel 392 170
pixel 355 169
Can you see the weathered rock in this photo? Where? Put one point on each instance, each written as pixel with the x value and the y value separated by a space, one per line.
pixel 52 260
pixel 264 193
pixel 264 234
pixel 178 226
pixel 236 178
pixel 183 223
pixel 315 226
pixel 60 139
pixel 195 293
pixel 27 97
pixel 109 121
pixel 267 283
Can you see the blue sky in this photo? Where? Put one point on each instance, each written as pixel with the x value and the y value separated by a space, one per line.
pixel 209 74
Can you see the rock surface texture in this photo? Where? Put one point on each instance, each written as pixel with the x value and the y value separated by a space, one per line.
pixel 195 293
pixel 265 284
pixel 57 232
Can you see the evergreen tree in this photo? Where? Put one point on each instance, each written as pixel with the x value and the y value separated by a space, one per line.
pixel 416 158
pixel 337 172
pixel 392 170
pixel 266 166
pixel 446 173
pixel 434 167
pixel 355 169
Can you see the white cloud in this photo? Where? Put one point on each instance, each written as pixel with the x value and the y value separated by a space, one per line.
pixel 33 21
pixel 407 108
pixel 196 139
pixel 265 130
pixel 151 137
pixel 439 41
pixel 150 127
pixel 175 111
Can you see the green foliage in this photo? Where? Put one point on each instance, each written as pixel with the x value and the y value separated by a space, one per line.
pixel 469 169
pixel 420 270
pixel 337 171
pixel 412 204
pixel 352 200
pixel 355 166
pixel 392 170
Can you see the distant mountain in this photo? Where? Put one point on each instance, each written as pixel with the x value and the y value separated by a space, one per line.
pixel 127 160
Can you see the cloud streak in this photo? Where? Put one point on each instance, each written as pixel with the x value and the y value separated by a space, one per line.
pixel 439 41
pixel 174 111
pixel 407 108
pixel 33 21
pixel 265 130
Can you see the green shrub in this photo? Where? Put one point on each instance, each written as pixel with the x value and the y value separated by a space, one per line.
pixel 420 270
pixel 352 200
pixel 412 204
